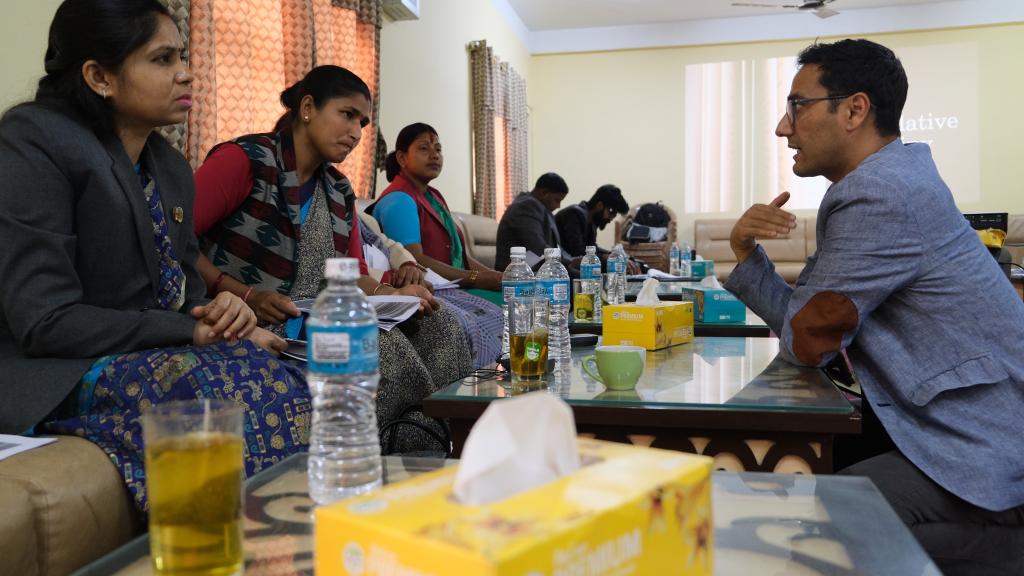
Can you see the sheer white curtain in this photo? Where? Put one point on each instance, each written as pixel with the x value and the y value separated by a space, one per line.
pixel 732 156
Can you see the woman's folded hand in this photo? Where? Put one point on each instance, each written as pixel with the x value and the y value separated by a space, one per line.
pixel 268 341
pixel 226 317
pixel 427 301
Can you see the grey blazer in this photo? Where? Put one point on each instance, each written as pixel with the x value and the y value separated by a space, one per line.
pixel 526 222
pixel 78 264
pixel 934 330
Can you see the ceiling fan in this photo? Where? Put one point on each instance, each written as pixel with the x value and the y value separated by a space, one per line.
pixel 817 6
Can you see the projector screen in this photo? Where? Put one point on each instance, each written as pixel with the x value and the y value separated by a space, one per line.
pixel 733 158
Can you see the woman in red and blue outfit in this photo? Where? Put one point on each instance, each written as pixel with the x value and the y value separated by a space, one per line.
pixel 415 214
pixel 271 208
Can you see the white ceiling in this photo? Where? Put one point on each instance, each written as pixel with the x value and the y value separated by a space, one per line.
pixel 558 26
pixel 562 14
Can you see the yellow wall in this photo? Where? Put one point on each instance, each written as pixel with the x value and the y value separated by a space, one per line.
pixel 425 78
pixel 23 30
pixel 618 116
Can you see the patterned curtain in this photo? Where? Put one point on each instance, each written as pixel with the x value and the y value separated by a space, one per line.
pixel 500 117
pixel 245 53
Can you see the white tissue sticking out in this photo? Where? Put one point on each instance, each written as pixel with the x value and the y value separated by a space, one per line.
pixel 711 283
pixel 648 293
pixel 517 445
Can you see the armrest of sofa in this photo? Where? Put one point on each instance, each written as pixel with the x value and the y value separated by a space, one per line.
pixel 481 235
pixel 1015 238
pixel 65 505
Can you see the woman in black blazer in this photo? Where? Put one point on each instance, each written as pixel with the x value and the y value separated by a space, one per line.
pixel 102 311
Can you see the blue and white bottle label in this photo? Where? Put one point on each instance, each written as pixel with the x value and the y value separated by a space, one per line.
pixel 342 349
pixel 517 289
pixel 617 266
pixel 590 272
pixel 556 290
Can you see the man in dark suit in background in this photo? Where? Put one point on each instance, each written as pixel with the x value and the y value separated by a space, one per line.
pixel 529 221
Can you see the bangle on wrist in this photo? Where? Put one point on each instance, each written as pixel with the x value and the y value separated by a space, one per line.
pixel 248 293
pixel 471 279
pixel 216 283
pixel 374 293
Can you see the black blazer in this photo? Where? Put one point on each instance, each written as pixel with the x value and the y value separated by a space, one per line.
pixel 78 264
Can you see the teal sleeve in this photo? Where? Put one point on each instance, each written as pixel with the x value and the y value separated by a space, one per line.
pixel 399 218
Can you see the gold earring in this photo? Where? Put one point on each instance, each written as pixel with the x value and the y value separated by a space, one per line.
pixel 305 118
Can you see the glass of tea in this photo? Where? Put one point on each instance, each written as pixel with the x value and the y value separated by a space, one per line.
pixel 194 479
pixel 528 337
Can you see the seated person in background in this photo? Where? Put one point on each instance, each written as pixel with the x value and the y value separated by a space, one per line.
pixel 578 224
pixel 102 310
pixel 412 212
pixel 529 222
pixel 896 282
pixel 271 208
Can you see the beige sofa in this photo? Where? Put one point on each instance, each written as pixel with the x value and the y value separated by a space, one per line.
pixel 481 235
pixel 64 505
pixel 711 240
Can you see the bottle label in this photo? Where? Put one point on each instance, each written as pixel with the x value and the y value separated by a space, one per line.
pixel 517 289
pixel 556 290
pixel 342 349
pixel 590 271
pixel 617 266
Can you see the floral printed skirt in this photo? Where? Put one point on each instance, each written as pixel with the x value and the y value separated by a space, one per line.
pixel 117 389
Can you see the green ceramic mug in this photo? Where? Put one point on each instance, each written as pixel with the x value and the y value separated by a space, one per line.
pixel 618 367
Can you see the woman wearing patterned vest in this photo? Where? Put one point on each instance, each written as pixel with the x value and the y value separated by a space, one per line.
pixel 103 312
pixel 271 208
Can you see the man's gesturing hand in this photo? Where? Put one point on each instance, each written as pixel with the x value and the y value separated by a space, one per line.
pixel 760 221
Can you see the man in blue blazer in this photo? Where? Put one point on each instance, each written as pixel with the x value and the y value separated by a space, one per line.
pixel 932 327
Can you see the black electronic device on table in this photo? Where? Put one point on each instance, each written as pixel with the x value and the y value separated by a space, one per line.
pixel 986 220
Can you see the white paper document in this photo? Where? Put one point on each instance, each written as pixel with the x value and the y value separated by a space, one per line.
pixel 11 445
pixel 392 309
pixel 439 282
pixel 655 273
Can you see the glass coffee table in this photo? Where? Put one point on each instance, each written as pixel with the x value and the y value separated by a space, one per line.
pixel 731 398
pixel 764 524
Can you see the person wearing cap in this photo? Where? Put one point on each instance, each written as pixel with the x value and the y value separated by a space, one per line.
pixel 529 221
pixel 578 224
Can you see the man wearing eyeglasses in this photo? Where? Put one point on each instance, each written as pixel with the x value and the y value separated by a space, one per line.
pixel 932 329
pixel 578 224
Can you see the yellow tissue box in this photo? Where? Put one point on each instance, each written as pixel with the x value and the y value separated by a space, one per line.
pixel 652 326
pixel 628 510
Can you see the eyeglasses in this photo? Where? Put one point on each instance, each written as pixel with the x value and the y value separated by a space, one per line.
pixel 792 103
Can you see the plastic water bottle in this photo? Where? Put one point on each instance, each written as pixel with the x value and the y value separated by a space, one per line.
pixel 673 260
pixel 590 279
pixel 553 284
pixel 342 371
pixel 685 255
pixel 517 280
pixel 617 269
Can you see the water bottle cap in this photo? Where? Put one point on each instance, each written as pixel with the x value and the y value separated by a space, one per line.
pixel 591 249
pixel 518 251
pixel 341 268
pixel 552 252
